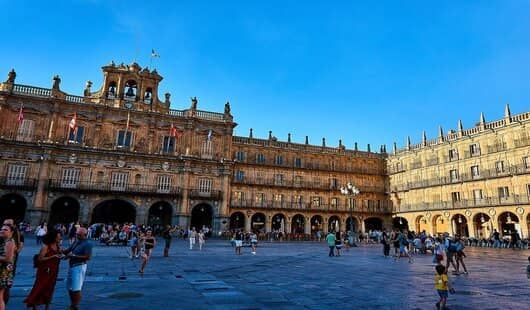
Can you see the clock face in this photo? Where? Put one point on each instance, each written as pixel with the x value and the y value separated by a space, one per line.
pixel 128 105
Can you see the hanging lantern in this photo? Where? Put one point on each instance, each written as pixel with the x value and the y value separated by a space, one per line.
pixel 400 221
pixel 460 219
pixel 482 219
pixel 508 219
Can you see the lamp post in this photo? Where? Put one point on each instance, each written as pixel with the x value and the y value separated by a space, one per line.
pixel 350 191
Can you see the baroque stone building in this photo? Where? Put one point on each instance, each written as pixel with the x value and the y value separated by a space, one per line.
pixel 120 154
pixel 468 182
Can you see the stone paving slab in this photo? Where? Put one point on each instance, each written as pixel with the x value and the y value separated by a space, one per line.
pixel 284 276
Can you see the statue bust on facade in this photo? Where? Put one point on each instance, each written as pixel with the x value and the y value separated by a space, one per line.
pixel 86 93
pixel 56 82
pixel 11 76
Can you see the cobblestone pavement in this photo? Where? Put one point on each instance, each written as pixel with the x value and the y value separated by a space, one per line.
pixel 284 276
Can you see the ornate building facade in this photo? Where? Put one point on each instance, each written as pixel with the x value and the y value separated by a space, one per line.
pixel 120 154
pixel 468 182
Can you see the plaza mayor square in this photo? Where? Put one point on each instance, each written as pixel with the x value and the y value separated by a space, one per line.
pixel 265 155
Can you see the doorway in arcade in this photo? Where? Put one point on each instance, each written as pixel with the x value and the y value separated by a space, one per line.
pixel 202 218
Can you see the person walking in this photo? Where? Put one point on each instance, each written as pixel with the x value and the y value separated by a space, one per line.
pixel 192 235
pixel 47 271
pixel 40 232
pixel 459 255
pixel 78 255
pixel 330 239
pixel 338 242
pixel 149 245
pixel 253 242
pixel 442 286
pixel 7 257
pixel 166 234
pixel 403 247
pixel 239 241
pixel 386 243
pixel 200 239
pixel 496 239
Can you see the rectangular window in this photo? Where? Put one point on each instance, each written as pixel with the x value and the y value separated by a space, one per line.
pixel 453 175
pixel 297 199
pixel 474 149
pixel 477 194
pixel 475 172
pixel 16 174
pixel 240 176
pixel 26 130
pixel 76 135
pixel 207 149
pixel 240 156
pixel 528 189
pixel 316 201
pixel 333 183
pixel 526 162
pixel 503 192
pixel 298 162
pixel 169 145
pixel 499 166
pixel 124 138
pixel 455 196
pixel 278 179
pixel 453 154
pixel 278 198
pixel 297 180
pixel 260 158
pixel 205 185
pixel 278 160
pixel 239 196
pixel 119 181
pixel 259 198
pixel 70 178
pixel 163 184
pixel 334 202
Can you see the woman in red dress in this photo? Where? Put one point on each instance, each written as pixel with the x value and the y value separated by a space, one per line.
pixel 47 270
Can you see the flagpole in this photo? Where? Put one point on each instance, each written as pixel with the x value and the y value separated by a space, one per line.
pixel 126 129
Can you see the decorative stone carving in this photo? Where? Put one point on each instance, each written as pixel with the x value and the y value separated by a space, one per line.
pixel 56 82
pixel 86 93
pixel 121 163
pixel 72 159
pixel 11 76
pixel 165 166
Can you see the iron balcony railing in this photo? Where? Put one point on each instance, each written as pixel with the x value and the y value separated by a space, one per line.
pixel 464 177
pixel 468 203
pixel 107 187
pixel 293 184
pixel 384 207
pixel 18 183
pixel 202 194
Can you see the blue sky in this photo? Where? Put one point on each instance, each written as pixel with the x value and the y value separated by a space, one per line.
pixel 372 72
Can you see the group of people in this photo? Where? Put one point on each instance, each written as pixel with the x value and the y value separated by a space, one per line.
pixel 46 261
pixel 239 237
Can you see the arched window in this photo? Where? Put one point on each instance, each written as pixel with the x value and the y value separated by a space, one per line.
pixel 130 90
pixel 148 95
pixel 111 91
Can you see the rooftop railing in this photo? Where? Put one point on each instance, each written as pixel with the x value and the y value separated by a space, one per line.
pixel 463 204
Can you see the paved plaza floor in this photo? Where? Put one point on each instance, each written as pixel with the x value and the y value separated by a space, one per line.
pixel 284 275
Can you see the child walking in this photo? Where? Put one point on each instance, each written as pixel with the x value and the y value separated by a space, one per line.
pixel 442 286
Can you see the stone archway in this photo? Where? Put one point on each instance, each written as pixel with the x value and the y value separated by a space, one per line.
pixel 278 222
pixel 13 206
pixel 201 216
pixel 64 210
pixel 114 211
pixel 373 223
pixel 298 224
pixel 421 224
pixel 257 222
pixel 160 215
pixel 316 224
pixel 440 225
pixel 237 220
pixel 334 223
pixel 508 222
pixel 482 225
pixel 400 223
pixel 459 223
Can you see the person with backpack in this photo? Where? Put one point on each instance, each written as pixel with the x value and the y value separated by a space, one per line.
pixel 403 247
pixel 450 252
pixel 47 264
pixel 459 246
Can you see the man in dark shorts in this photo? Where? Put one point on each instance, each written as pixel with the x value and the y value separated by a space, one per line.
pixel 166 234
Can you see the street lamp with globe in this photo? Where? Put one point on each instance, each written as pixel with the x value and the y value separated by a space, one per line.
pixel 350 191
